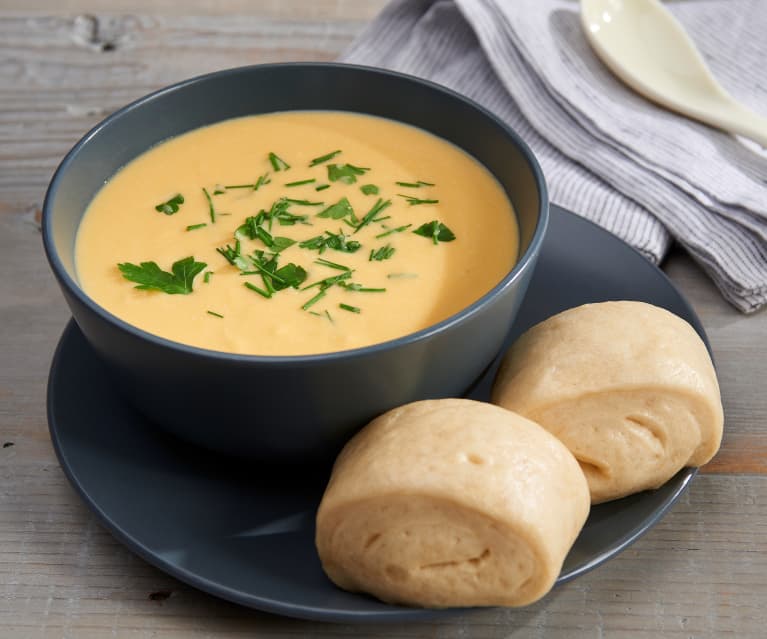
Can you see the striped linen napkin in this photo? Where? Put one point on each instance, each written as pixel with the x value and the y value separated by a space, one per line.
pixel 649 176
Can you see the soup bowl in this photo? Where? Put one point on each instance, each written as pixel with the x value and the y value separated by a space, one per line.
pixel 291 407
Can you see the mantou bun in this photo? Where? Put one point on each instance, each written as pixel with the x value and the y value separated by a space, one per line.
pixel 627 386
pixel 451 503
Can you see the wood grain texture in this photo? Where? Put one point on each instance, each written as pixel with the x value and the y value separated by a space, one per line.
pixel 702 572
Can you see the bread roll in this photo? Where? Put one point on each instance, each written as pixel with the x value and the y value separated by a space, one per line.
pixel 628 387
pixel 451 503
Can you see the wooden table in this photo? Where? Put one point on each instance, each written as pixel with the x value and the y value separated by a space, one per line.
pixel 64 65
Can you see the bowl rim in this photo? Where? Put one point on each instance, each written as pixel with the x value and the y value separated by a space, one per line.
pixel 523 262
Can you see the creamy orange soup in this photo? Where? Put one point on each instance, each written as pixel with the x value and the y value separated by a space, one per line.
pixel 379 230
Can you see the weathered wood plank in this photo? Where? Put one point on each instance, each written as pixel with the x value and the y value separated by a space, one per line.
pixel 65 65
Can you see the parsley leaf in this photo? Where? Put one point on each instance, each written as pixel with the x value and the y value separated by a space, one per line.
pixel 340 209
pixel 435 230
pixel 369 189
pixel 346 173
pixel 151 277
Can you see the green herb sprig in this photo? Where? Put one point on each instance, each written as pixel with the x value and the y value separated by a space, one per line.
pixel 435 230
pixel 171 206
pixel 150 277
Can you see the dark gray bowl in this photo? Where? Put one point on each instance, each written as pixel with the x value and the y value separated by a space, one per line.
pixel 290 407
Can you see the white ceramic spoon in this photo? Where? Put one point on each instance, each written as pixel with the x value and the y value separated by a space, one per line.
pixel 644 45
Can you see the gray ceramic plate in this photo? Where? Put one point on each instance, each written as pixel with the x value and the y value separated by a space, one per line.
pixel 245 533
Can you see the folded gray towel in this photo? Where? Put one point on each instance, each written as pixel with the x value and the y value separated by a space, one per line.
pixel 647 175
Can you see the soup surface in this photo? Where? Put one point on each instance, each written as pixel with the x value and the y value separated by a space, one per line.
pixel 295 233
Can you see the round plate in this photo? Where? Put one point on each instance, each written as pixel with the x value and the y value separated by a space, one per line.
pixel 245 532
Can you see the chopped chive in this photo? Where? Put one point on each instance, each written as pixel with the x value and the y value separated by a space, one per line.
pixel 381 219
pixel 322 187
pixel 358 288
pixel 206 277
pixel 330 264
pixel 399 276
pixel 369 189
pixel 302 202
pixel 351 309
pixel 383 253
pixel 261 181
pixel 215 314
pixel 315 313
pixel 192 227
pixel 414 185
pixel 255 288
pixel 329 281
pixel 379 206
pixel 314 300
pixel 330 319
pixel 211 208
pixel 399 229
pixel 300 182
pixel 278 164
pixel 219 189
pixel 324 158
pixel 413 201
pixel 171 206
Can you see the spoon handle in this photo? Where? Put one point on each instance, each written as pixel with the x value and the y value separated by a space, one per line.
pixel 732 116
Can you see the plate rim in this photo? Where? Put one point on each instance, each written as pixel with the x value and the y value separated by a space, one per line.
pixel 394 613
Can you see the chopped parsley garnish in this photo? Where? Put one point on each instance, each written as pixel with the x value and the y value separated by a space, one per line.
pixel 346 173
pixel 151 277
pixel 258 290
pixel 214 314
pixel 351 309
pixel 379 206
pixel 314 300
pixel 335 241
pixel 435 230
pixel 340 209
pixel 261 181
pixel 300 182
pixel 171 206
pixel 324 158
pixel 276 279
pixel 369 189
pixel 330 281
pixel 413 201
pixel 414 185
pixel 206 277
pixel 399 229
pixel 302 202
pixel 278 164
pixel 383 253
pixel 234 256
pixel 358 288
pixel 322 187
pixel 211 208
pixel 330 264
pixel 193 227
